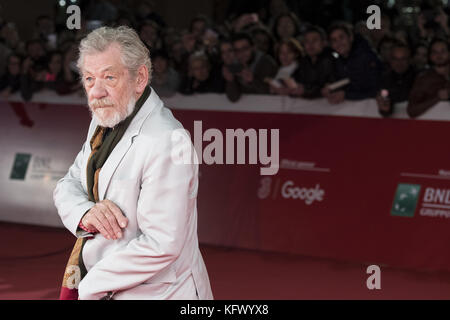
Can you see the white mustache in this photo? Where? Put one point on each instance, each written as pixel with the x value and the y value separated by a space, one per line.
pixel 100 103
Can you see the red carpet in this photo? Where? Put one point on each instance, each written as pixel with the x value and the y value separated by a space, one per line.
pixel 32 261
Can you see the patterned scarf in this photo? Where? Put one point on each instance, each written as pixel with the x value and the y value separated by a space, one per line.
pixel 102 144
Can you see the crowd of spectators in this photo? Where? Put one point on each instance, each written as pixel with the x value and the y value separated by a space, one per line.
pixel 252 53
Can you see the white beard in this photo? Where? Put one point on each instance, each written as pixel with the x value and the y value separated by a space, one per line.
pixel 100 115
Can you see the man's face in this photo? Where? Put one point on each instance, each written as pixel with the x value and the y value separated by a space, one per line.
pixel 420 56
pixel 149 35
pixel 109 86
pixel 243 51
pixel 10 34
pixel 46 26
pixel 439 54
pixel 35 50
pixel 399 60
pixel 227 53
pixel 341 42
pixel 199 70
pixel 198 29
pixel 285 27
pixel 313 44
pixel 177 50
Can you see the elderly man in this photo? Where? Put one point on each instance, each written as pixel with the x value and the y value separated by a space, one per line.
pixel 131 206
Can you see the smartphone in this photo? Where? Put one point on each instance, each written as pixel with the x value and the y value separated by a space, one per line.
pixel 384 94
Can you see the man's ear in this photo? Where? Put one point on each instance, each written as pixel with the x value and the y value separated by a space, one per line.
pixel 141 79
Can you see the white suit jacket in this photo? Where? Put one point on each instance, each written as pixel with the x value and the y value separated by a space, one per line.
pixel 158 255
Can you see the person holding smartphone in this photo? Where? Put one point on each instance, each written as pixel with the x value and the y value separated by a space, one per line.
pixel 396 81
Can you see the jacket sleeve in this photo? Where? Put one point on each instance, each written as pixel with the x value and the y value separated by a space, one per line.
pixel 233 90
pixel 266 68
pixel 70 198
pixel 163 215
pixel 423 95
pixel 365 78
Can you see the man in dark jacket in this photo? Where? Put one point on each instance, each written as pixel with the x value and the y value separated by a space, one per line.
pixel 254 68
pixel 397 80
pixel 316 68
pixel 356 61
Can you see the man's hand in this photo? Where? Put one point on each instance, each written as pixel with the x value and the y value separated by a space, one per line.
pixel 384 104
pixel 107 218
pixel 325 91
pixel 228 76
pixel 247 75
pixel 336 97
pixel 299 91
pixel 282 91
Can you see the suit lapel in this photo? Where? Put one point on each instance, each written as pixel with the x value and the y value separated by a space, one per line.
pixel 122 147
pixel 111 164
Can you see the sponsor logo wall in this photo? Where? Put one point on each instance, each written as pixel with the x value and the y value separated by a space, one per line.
pixel 352 188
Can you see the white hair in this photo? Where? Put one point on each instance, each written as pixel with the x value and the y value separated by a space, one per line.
pixel 133 51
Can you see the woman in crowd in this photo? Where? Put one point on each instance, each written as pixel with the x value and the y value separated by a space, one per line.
pixel 288 53
pixel 286 26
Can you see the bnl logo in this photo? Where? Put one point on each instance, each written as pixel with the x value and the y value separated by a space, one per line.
pixel 405 200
